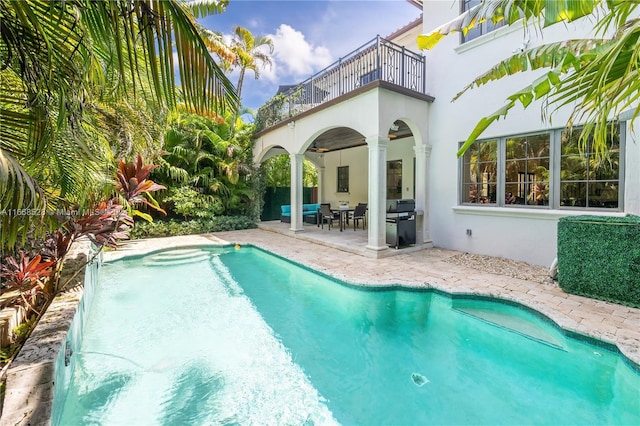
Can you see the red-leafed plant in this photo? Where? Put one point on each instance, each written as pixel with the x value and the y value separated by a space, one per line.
pixel 110 220
pixel 107 223
pixel 29 278
pixel 135 188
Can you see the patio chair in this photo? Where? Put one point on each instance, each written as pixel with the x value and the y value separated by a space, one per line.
pixel 326 215
pixel 359 213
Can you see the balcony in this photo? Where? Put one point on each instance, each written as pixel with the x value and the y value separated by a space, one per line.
pixel 378 60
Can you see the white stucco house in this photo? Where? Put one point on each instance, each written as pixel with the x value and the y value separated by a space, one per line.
pixel 380 123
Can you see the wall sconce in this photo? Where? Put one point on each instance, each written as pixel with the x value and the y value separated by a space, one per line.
pixel 292 124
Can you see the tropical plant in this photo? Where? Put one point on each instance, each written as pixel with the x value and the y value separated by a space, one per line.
pixel 27 276
pixel 190 203
pixel 251 53
pixel 272 112
pixel 135 188
pixel 277 172
pixel 70 71
pixel 202 154
pixel 599 75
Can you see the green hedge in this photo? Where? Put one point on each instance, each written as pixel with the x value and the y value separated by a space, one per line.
pixel 169 228
pixel 599 257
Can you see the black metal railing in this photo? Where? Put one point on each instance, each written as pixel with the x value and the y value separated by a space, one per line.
pixel 378 59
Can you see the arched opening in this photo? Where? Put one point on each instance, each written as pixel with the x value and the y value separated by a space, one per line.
pixel 340 155
pixel 401 163
pixel 276 174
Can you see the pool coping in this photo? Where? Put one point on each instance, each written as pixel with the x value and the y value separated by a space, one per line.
pixel 30 378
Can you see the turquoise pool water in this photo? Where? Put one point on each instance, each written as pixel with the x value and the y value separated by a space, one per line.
pixel 225 336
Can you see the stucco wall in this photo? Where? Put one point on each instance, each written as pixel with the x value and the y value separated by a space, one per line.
pixel 520 234
pixel 356 159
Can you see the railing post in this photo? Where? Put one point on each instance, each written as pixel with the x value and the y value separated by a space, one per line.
pixel 340 76
pixel 312 91
pixel 402 68
pixel 424 74
pixel 378 70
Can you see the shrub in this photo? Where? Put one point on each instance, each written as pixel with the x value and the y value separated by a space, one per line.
pixel 193 204
pixel 599 257
pixel 169 228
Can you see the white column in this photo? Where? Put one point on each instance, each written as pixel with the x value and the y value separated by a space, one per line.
pixel 320 171
pixel 423 153
pixel 296 192
pixel 377 192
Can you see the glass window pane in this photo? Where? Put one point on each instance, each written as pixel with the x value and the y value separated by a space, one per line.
pixel 538 146
pixel 538 194
pixel 479 173
pixel 604 169
pixel 471 194
pixel 394 179
pixel 511 194
pixel 516 148
pixel 488 151
pixel 573 167
pixel 603 194
pixel 527 170
pixel 573 194
pixel 569 142
pixel 343 179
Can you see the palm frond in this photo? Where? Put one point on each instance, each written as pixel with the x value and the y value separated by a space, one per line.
pixel 510 11
pixel 202 8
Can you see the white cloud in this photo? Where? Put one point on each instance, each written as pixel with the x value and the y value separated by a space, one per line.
pixel 294 58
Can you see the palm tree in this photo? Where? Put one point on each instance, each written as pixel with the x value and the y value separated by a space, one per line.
pixel 70 70
pixel 600 75
pixel 250 54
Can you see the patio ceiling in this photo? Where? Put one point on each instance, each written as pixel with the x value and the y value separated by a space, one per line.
pixel 344 137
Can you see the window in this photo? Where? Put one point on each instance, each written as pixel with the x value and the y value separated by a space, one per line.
pixel 480 173
pixel 544 170
pixel 343 179
pixel 527 170
pixel 478 30
pixel 394 180
pixel 585 180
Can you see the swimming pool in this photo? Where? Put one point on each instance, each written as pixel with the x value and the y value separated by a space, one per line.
pixel 226 336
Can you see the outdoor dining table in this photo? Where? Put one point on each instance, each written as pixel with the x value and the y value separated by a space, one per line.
pixel 343 214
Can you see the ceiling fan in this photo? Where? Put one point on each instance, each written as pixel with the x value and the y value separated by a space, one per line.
pixel 315 148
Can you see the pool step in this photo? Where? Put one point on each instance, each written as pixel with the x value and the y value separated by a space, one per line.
pixel 524 327
pixel 177 257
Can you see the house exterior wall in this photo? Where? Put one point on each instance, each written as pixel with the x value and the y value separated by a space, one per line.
pixel 525 234
pixel 408 38
pixel 358 172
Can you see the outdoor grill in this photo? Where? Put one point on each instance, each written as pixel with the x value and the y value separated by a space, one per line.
pixel 401 222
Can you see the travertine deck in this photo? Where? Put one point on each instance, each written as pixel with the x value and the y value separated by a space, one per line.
pixel 30 379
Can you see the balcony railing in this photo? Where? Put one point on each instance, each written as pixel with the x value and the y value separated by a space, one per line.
pixel 378 59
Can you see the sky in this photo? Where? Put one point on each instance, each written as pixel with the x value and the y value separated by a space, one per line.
pixel 308 35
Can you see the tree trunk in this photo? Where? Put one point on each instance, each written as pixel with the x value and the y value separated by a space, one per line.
pixel 239 88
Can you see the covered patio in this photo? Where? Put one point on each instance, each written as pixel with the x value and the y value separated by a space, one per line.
pixel 356 120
